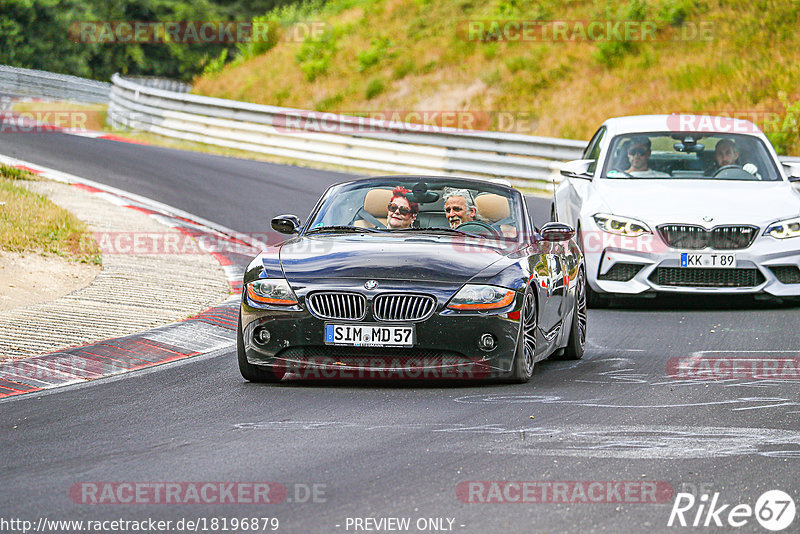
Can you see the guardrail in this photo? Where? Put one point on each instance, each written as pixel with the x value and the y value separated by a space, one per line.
pixel 164 107
pixel 42 84
pixel 354 142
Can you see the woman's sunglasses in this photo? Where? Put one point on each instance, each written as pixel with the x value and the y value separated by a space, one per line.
pixel 401 210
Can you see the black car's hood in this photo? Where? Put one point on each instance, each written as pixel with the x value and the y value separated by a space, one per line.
pixel 416 257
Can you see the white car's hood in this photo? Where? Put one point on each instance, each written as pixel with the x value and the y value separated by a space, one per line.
pixel 695 201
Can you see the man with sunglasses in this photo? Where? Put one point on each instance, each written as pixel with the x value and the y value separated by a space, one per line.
pixel 459 206
pixel 400 212
pixel 638 157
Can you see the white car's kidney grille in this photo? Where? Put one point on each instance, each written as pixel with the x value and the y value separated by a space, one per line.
pixel 337 305
pixel 401 307
pixel 691 237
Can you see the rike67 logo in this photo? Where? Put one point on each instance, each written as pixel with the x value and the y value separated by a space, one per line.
pixel 774 510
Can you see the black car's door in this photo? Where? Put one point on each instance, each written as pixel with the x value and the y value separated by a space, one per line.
pixel 547 272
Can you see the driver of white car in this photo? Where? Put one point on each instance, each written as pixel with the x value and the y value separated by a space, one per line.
pixel 727 153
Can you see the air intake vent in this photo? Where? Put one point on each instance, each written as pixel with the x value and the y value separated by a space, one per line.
pixel 336 305
pixel 786 274
pixel 703 277
pixel 621 272
pixel 402 307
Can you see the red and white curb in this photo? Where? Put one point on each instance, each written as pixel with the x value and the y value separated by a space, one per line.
pixel 19 122
pixel 207 332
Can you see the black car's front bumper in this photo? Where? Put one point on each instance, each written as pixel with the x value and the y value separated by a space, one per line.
pixel 446 346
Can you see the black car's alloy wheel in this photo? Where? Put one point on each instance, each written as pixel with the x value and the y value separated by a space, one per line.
pixel 522 369
pixel 250 372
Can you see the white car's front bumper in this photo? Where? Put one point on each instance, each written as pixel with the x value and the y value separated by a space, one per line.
pixel 661 269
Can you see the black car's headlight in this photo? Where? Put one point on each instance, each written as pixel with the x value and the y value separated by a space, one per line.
pixel 271 291
pixel 616 224
pixel 784 229
pixel 481 297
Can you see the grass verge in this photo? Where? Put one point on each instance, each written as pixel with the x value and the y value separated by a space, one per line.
pixel 29 222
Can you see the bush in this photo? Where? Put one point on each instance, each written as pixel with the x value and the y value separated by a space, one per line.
pixel 314 56
pixel 374 54
pixel 403 69
pixel 374 88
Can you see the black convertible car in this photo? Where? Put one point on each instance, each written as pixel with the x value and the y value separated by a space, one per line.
pixel 413 277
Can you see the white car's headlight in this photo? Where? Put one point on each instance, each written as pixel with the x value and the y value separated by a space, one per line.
pixel 272 291
pixel 481 297
pixel 615 224
pixel 784 229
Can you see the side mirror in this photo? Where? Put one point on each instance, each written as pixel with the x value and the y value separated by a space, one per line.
pixel 286 224
pixel 578 168
pixel 556 232
pixel 792 171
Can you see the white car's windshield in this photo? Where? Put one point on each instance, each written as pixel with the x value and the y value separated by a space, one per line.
pixel 668 155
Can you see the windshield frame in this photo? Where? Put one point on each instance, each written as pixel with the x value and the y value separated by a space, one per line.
pixel 518 208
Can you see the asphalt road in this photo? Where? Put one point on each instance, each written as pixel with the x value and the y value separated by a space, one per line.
pixel 398 450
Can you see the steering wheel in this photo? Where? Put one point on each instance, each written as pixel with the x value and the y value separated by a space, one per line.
pixel 481 228
pixel 625 174
pixel 726 168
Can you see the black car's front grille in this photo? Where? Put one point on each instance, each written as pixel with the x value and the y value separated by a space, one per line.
pixel 706 277
pixel 692 237
pixel 786 274
pixel 402 307
pixel 356 355
pixel 337 305
pixel 621 272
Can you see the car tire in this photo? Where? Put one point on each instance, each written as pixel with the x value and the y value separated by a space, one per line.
pixel 250 372
pixel 596 300
pixel 522 368
pixel 577 335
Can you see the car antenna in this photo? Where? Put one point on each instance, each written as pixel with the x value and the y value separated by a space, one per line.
pixel 555 208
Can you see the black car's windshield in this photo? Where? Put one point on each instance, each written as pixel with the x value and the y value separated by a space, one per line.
pixel 421 205
pixel 669 155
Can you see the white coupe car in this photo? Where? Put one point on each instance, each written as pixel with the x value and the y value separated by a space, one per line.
pixel 683 203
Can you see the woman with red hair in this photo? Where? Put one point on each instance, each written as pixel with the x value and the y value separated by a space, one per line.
pixel 401 212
